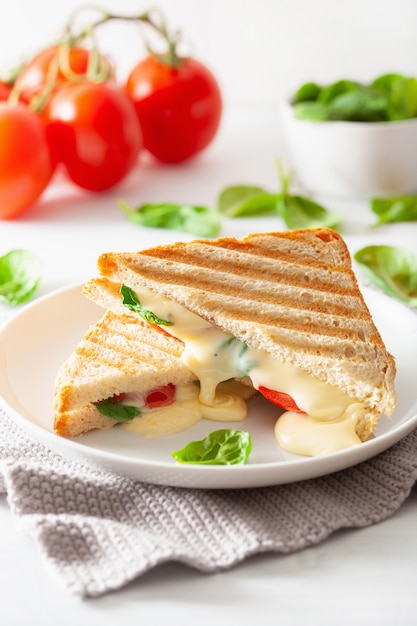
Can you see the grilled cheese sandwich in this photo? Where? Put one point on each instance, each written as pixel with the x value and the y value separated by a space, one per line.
pixel 281 311
pixel 126 372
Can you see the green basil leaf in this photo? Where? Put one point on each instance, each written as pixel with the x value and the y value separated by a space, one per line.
pixel 388 97
pixel 403 98
pixel 330 92
pixel 20 273
pixel 116 411
pixel 195 220
pixel 221 447
pixel 246 201
pixel 132 302
pixel 360 105
pixel 307 93
pixel 301 212
pixel 391 269
pixel 395 209
pixel 311 111
pixel 385 82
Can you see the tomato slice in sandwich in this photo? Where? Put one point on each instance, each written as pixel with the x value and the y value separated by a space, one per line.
pixel 160 396
pixel 156 398
pixel 281 399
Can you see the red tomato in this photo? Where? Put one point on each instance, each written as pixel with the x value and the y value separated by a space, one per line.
pixel 179 108
pixel 4 91
pixel 281 399
pixel 35 75
pixel 160 396
pixel 93 130
pixel 25 163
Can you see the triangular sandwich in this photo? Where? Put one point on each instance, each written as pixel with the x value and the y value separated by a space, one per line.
pixel 282 310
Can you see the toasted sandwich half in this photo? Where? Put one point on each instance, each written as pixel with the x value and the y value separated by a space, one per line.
pixel 282 310
pixel 125 370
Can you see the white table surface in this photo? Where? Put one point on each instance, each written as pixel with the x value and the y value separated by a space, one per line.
pixel 365 576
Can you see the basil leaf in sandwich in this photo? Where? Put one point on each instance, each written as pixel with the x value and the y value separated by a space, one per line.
pixel 117 411
pixel 132 302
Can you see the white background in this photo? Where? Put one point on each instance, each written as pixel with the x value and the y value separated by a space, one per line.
pixel 258 49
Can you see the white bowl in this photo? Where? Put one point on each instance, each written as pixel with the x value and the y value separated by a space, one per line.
pixel 352 159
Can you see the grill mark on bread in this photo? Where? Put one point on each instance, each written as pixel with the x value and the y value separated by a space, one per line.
pixel 113 356
pixel 325 248
pixel 272 296
pixel 303 323
pixel 116 345
pixel 128 330
pixel 233 272
pixel 314 345
pixel 335 298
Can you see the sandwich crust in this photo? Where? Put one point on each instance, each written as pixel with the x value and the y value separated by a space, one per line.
pixel 293 294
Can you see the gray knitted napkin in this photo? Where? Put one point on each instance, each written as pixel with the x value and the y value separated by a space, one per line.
pixel 100 531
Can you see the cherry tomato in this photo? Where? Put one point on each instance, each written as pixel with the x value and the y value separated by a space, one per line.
pixel 160 396
pixel 93 130
pixel 281 399
pixel 39 70
pixel 4 91
pixel 179 108
pixel 25 163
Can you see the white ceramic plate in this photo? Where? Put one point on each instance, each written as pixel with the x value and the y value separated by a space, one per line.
pixel 38 339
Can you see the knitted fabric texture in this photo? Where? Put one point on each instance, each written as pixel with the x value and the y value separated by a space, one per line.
pixel 100 531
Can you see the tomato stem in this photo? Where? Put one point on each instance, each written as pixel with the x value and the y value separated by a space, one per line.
pixel 154 19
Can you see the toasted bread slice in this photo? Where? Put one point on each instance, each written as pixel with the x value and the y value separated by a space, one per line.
pixel 118 354
pixel 292 294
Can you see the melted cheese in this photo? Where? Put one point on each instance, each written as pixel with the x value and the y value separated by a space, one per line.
pixel 302 434
pixel 215 356
pixel 187 410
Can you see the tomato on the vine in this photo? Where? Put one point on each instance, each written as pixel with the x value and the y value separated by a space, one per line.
pixel 55 65
pixel 179 108
pixel 25 163
pixel 92 128
pixel 5 90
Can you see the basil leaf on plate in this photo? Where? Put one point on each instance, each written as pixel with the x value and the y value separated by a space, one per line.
pixel 395 209
pixel 246 201
pixel 132 302
pixel 299 211
pixel 116 411
pixel 20 273
pixel 391 269
pixel 195 220
pixel 221 447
